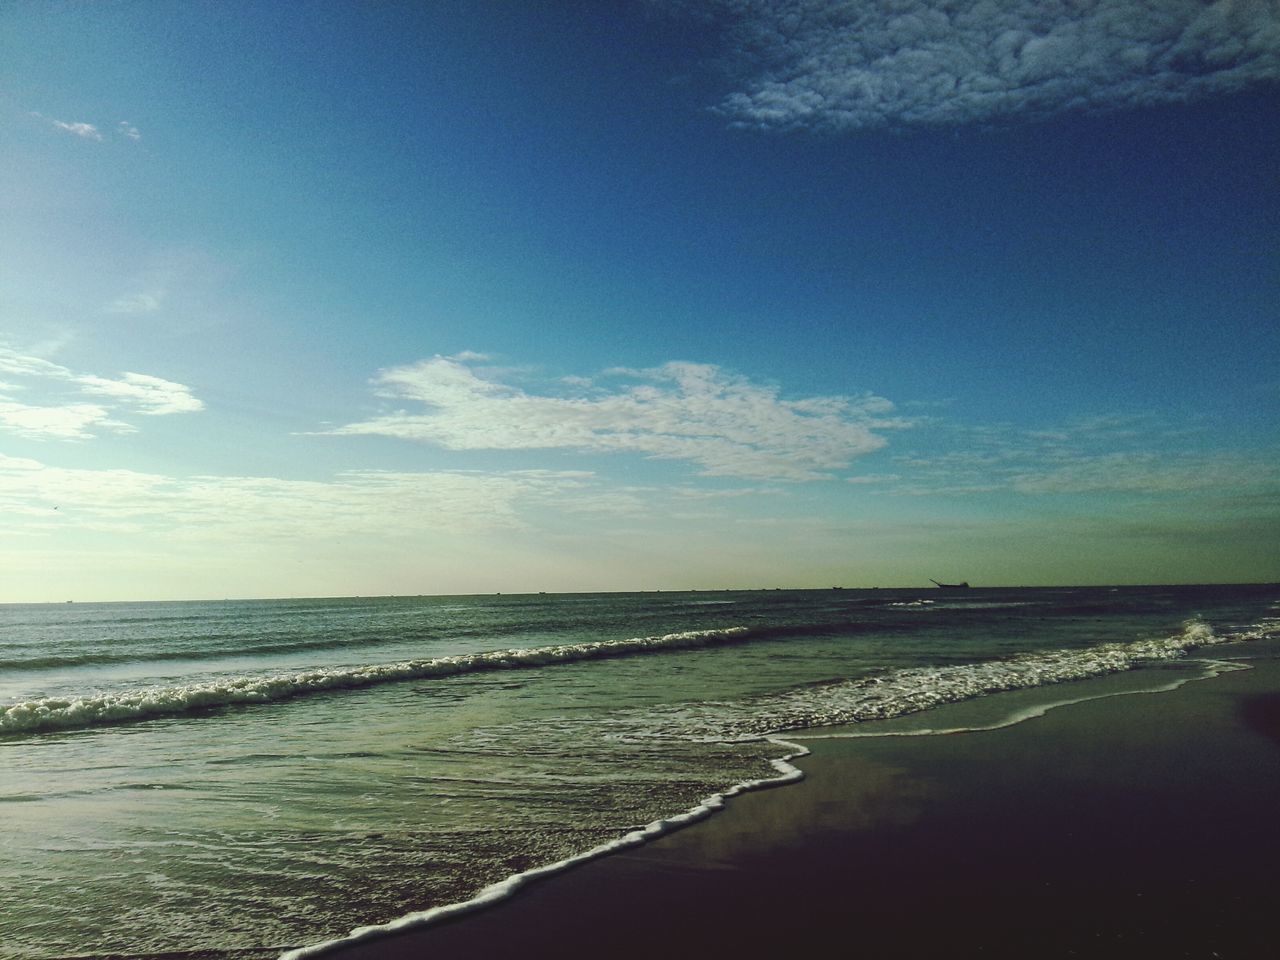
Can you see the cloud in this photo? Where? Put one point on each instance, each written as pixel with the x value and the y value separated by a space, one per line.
pixel 137 303
pixel 89 131
pixel 369 503
pixel 152 396
pixel 826 65
pixel 1115 456
pixel 874 478
pixel 72 421
pixel 23 365
pixel 63 414
pixel 696 413
pixel 1140 472
pixel 86 131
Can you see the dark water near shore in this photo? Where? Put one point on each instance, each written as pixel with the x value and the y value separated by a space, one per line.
pixel 239 778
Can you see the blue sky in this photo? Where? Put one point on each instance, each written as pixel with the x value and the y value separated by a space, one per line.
pixel 329 299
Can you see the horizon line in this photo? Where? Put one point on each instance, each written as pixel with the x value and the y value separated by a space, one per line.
pixel 650 590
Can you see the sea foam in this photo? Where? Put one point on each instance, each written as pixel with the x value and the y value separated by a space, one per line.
pixel 911 690
pixel 896 693
pixel 786 772
pixel 893 694
pixel 880 696
pixel 64 713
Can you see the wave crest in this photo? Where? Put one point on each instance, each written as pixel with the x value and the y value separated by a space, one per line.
pixel 58 713
pixel 900 692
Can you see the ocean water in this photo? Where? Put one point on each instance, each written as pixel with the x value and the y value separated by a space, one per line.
pixel 249 778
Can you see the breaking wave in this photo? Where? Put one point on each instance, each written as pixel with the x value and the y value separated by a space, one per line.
pixel 879 696
pixel 912 690
pixel 896 693
pixel 64 713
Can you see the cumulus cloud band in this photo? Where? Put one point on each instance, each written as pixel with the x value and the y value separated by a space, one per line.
pixel 914 62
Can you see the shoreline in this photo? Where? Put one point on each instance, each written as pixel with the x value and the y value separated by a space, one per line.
pixel 497 893
pixel 888 832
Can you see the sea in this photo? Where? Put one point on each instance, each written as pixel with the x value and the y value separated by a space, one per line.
pixel 267 778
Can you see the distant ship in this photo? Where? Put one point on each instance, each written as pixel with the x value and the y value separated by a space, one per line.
pixel 950 586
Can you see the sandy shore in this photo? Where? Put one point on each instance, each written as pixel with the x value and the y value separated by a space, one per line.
pixel 1136 826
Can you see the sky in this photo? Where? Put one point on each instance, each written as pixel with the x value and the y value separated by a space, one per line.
pixel 327 299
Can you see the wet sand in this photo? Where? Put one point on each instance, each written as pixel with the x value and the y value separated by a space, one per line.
pixel 1138 826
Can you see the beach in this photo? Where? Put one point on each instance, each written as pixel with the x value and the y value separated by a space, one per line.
pixel 1141 825
pixel 1011 771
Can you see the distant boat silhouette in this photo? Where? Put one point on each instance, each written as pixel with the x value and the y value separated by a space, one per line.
pixel 950 586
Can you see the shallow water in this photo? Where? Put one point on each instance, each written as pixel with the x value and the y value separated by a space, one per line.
pixel 239 778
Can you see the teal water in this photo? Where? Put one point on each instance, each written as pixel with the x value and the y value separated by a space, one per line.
pixel 241 778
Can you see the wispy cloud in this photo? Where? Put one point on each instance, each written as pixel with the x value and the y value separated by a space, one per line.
pixel 823 64
pixel 60 411
pixel 354 503
pixel 148 302
pixel 1101 456
pixel 86 131
pixel 152 396
pixel 179 282
pixel 696 413
pixel 68 421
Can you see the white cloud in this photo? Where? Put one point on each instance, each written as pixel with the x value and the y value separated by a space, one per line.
pixel 19 463
pixel 85 130
pixel 1138 472
pixel 680 411
pixel 63 414
pixel 376 504
pixel 27 366
pixel 179 280
pixel 137 303
pixel 1100 456
pixel 89 131
pixel 151 395
pixel 72 421
pixel 821 64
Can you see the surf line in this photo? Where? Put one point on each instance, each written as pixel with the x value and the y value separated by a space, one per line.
pixel 495 893
pixel 63 713
pixel 1212 668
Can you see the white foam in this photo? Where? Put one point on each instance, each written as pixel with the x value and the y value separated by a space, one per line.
pixel 905 691
pixel 787 773
pixel 915 689
pixel 1213 668
pixel 912 690
pixel 57 713
pixel 897 694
